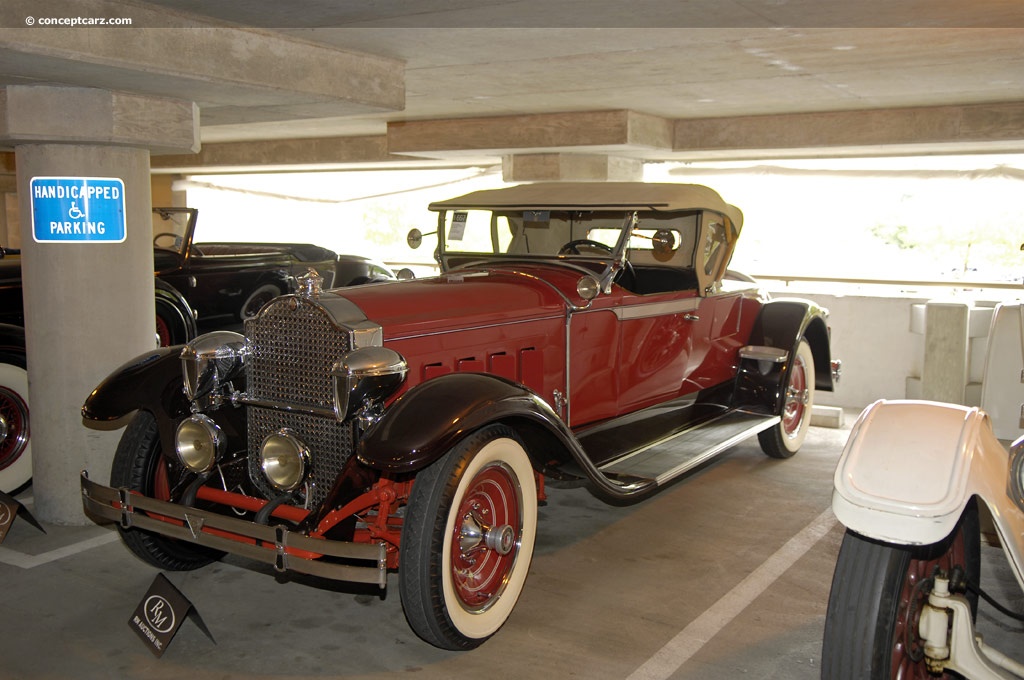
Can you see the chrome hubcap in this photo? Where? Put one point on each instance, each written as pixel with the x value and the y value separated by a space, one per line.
pixel 475 535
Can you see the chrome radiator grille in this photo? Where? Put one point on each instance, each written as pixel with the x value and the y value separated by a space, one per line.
pixel 292 346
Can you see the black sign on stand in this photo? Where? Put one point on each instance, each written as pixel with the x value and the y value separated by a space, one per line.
pixel 161 613
pixel 11 509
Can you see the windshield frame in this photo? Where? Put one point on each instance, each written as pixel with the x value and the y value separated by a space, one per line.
pixel 602 267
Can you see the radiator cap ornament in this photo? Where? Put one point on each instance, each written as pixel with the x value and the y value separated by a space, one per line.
pixel 311 284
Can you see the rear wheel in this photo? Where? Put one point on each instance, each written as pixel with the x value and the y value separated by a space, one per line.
pixel 15 435
pixel 878 590
pixel 140 467
pixel 468 540
pixel 786 438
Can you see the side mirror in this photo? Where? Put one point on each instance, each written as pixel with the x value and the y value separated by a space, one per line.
pixel 414 239
pixel 405 274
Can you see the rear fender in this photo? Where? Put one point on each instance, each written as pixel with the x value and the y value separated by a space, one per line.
pixel 910 467
pixel 782 322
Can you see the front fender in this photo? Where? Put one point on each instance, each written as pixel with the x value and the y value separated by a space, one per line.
pixel 12 339
pixel 910 467
pixel 429 419
pixel 151 382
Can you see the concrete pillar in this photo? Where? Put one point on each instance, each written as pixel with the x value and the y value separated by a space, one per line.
pixel 88 306
pixel 944 374
pixel 570 167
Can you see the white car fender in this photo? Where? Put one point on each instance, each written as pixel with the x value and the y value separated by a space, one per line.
pixel 910 467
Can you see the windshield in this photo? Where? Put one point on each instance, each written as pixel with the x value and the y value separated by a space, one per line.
pixel 170 228
pixel 655 238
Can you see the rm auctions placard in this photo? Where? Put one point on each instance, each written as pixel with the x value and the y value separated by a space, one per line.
pixel 77 209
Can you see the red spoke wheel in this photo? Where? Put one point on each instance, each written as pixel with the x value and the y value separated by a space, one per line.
pixel 468 538
pixel 786 438
pixel 15 434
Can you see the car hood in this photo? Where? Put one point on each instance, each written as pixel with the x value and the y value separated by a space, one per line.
pixel 460 300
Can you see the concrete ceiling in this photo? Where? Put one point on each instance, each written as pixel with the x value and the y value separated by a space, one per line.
pixel 465 81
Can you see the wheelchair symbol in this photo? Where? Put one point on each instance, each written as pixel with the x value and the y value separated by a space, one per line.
pixel 74 213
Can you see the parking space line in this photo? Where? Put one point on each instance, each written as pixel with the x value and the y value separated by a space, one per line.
pixel 17 559
pixel 689 641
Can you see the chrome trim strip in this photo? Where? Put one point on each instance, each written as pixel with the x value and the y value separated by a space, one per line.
pixel 135 511
pixel 645 310
pixel 242 398
pixel 500 324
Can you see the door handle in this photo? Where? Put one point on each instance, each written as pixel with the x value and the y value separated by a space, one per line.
pixel 691 317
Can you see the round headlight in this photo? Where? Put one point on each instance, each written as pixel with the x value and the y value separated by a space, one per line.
pixel 211 360
pixel 284 460
pixel 199 442
pixel 366 374
pixel 588 287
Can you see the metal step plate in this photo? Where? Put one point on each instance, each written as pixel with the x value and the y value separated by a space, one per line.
pixel 671 457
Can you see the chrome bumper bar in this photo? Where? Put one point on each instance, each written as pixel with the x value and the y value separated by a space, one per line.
pixel 274 545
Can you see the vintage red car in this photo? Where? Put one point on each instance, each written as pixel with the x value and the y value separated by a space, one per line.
pixel 577 331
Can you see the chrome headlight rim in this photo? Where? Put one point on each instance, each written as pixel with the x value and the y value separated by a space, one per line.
pixel 366 374
pixel 199 443
pixel 211 361
pixel 285 460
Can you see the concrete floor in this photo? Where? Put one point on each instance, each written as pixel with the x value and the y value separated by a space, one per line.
pixel 724 575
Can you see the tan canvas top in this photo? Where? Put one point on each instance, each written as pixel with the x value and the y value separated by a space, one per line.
pixel 595 196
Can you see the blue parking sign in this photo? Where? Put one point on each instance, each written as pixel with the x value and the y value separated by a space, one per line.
pixel 77 210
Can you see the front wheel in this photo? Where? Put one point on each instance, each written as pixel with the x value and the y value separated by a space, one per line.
pixel 786 438
pixel 140 467
pixel 878 591
pixel 468 538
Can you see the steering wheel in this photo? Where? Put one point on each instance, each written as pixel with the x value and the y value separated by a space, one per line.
pixel 174 237
pixel 573 247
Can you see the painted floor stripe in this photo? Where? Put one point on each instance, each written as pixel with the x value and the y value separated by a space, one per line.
pixel 17 559
pixel 689 641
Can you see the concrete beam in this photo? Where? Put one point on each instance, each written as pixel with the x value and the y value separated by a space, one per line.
pixel 977 125
pixel 553 132
pixel 281 154
pixel 567 167
pixel 236 75
pixel 36 113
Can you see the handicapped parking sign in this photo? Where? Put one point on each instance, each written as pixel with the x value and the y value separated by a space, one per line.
pixel 77 209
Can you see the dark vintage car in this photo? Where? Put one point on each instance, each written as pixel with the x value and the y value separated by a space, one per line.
pixel 577 331
pixel 227 282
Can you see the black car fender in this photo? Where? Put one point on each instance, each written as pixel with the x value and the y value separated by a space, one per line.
pixel 12 340
pixel 431 417
pixel 173 309
pixel 782 323
pixel 425 422
pixel 150 382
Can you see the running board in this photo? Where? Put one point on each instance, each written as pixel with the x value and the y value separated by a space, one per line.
pixel 665 460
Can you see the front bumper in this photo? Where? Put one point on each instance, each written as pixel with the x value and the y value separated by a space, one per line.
pixel 275 545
